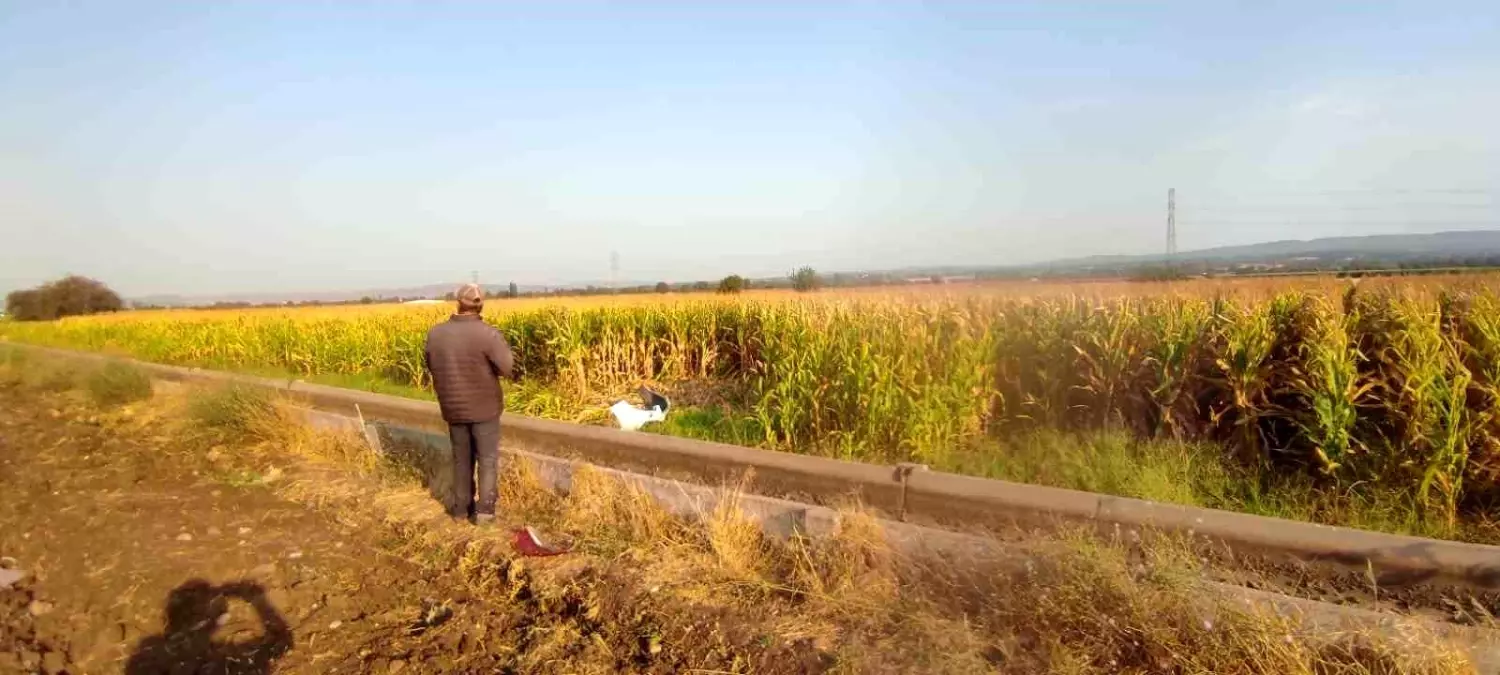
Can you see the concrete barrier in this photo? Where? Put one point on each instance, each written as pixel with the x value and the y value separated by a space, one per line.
pixel 952 500
pixel 814 478
pixel 430 455
pixel 907 492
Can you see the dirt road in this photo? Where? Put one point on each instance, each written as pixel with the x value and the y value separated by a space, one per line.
pixel 148 548
pixel 136 556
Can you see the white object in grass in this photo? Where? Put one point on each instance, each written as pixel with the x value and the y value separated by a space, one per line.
pixel 632 418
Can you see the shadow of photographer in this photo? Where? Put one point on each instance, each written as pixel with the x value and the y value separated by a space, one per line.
pixel 187 645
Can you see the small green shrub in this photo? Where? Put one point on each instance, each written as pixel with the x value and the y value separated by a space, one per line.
pixel 11 360
pixel 233 411
pixel 19 369
pixel 710 424
pixel 48 376
pixel 1107 462
pixel 11 357
pixel 118 384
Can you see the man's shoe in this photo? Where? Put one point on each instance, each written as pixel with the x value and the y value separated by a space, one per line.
pixel 484 520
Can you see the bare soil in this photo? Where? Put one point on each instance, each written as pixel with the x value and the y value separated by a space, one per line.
pixel 142 556
pixel 111 527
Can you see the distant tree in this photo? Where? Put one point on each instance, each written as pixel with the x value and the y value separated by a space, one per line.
pixel 733 283
pixel 69 296
pixel 367 300
pixel 936 279
pixel 28 306
pixel 514 292
pixel 700 286
pixel 663 287
pixel 805 279
pixel 80 295
pixel 449 296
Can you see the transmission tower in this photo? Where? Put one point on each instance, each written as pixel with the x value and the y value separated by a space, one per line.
pixel 1171 223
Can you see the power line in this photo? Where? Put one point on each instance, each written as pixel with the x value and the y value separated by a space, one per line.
pixel 1370 192
pixel 1193 208
pixel 1432 208
pixel 1440 191
pixel 1340 221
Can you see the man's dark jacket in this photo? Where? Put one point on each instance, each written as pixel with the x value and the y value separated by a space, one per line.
pixel 465 356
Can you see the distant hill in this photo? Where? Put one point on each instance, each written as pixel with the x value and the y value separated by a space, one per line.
pixel 1393 247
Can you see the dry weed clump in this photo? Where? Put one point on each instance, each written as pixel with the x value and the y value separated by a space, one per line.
pixel 1098 607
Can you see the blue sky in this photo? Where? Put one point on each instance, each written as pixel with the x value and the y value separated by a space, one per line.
pixel 222 147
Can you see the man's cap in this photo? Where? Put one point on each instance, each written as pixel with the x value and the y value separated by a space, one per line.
pixel 470 294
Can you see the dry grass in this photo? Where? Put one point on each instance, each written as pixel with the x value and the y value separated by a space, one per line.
pixel 118 384
pixel 610 518
pixel 1103 609
pixel 849 603
pixel 740 551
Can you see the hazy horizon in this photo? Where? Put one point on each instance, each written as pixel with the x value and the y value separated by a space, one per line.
pixel 205 149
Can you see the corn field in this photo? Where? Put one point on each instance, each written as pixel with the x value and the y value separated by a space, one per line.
pixel 1395 385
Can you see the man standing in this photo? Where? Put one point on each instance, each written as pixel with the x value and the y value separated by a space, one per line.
pixel 465 356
